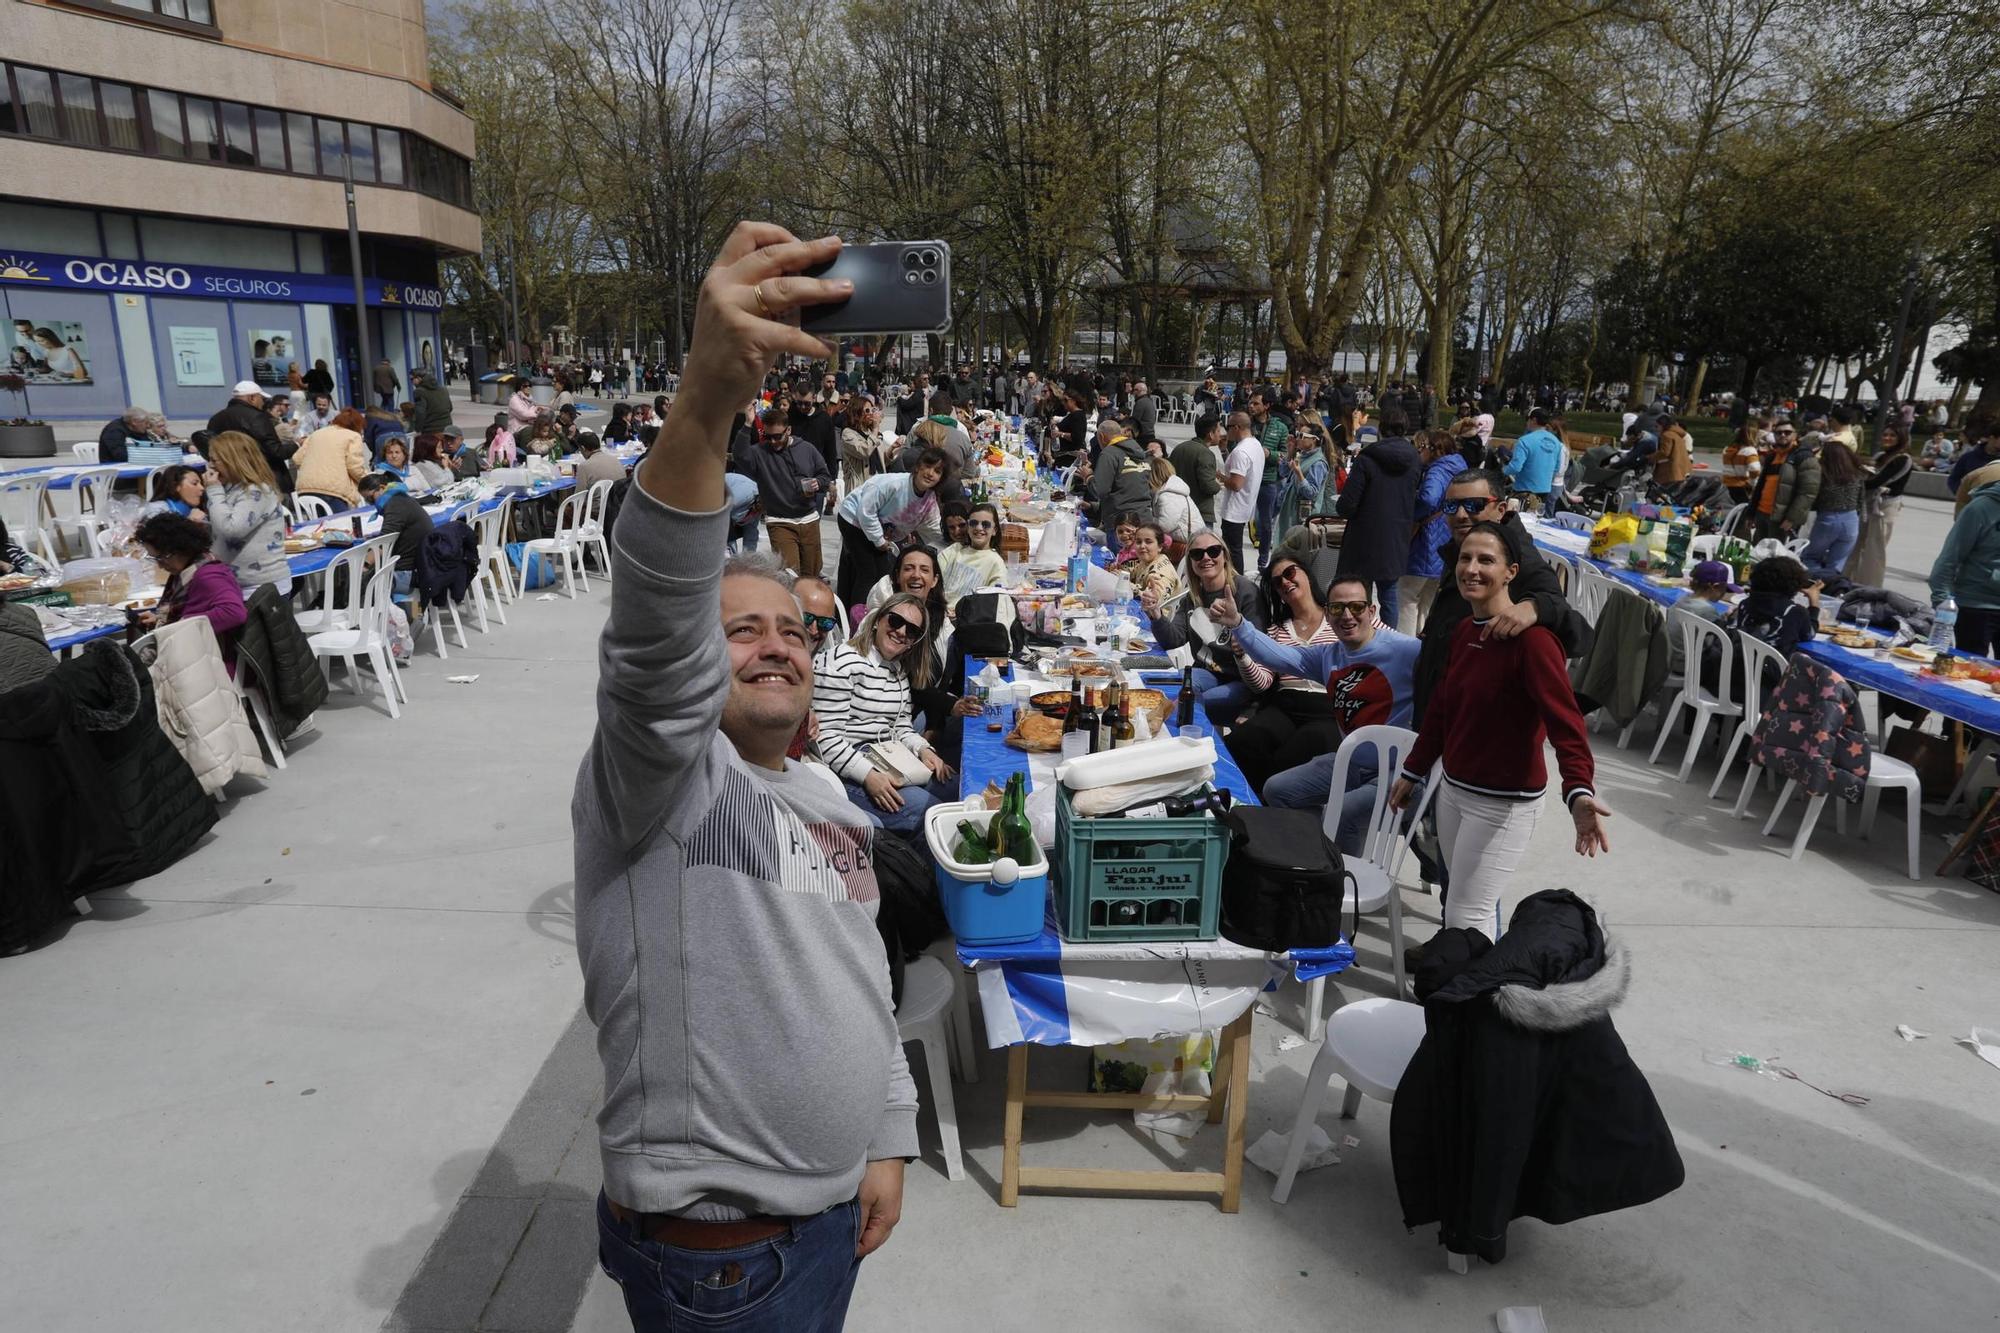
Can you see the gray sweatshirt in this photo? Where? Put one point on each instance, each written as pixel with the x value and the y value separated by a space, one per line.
pixel 725 921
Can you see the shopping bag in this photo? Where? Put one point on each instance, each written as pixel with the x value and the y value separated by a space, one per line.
pixel 541 571
pixel 1612 531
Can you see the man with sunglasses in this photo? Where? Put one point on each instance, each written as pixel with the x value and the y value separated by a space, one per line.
pixel 1788 485
pixel 792 483
pixel 1369 675
pixel 1471 498
pixel 820 610
pixel 702 855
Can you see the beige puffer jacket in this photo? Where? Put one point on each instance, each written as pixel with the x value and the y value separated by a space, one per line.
pixel 330 461
pixel 201 709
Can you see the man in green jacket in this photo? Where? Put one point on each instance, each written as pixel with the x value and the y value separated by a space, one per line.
pixel 433 404
pixel 1195 462
pixel 1967 570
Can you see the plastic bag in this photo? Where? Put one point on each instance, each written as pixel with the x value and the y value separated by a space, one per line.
pixel 402 644
pixel 1612 531
pixel 541 571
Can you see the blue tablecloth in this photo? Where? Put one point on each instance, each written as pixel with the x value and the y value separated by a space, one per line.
pixel 1974 706
pixel 1053 992
pixel 78 638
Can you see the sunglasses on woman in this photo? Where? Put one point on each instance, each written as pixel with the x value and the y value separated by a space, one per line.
pixel 1205 553
pixel 1471 504
pixel 905 630
pixel 981 523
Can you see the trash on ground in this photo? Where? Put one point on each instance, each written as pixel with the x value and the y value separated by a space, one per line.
pixel 460 680
pixel 1349 1141
pixel 1772 1069
pixel 1521 1319
pixel 1984 1043
pixel 546 597
pixel 1290 1041
pixel 1908 1033
pixel 1268 1152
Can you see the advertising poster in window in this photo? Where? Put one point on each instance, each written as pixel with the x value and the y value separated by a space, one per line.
pixel 272 352
pixel 197 353
pixel 49 351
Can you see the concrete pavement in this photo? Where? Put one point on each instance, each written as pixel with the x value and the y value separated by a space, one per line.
pixel 327 1074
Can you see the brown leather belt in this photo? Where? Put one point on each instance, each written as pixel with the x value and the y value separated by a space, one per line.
pixel 683 1234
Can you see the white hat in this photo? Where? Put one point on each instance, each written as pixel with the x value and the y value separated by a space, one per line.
pixel 245 387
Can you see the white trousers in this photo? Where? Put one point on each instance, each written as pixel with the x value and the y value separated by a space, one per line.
pixel 1483 839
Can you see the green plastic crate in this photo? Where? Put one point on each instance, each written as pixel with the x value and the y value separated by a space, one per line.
pixel 1137 879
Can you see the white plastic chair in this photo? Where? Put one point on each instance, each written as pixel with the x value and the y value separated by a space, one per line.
pixel 370 639
pixel 567 543
pixel 493 576
pixel 309 508
pixel 1382 848
pixel 1695 631
pixel 1883 771
pixel 90 509
pixel 1369 1044
pixel 85 451
pixel 346 612
pixel 591 534
pixel 21 501
pixel 260 713
pixel 922 1018
pixel 1757 655
pixel 1593 586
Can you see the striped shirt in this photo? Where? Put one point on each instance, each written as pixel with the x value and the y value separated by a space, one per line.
pixel 860 700
pixel 1261 678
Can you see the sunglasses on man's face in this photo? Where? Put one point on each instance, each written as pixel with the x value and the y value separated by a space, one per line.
pixel 901 628
pixel 1206 554
pixel 1355 609
pixel 820 624
pixel 1471 504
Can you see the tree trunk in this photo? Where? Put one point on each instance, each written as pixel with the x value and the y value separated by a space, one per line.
pixel 1694 386
pixel 1960 390
pixel 1641 364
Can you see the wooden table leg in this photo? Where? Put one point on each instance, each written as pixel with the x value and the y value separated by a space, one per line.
pixel 1238 1075
pixel 1017 1092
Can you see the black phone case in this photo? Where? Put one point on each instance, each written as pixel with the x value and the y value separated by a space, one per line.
pixel 899 287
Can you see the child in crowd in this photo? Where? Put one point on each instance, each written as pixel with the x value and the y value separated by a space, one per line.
pixel 500 450
pixel 972 562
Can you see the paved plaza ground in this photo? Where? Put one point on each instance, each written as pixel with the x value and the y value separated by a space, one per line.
pixel 329 1073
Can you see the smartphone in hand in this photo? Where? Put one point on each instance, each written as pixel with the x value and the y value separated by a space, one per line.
pixel 899 287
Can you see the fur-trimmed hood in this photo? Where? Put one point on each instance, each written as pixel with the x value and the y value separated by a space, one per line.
pixel 1569 1004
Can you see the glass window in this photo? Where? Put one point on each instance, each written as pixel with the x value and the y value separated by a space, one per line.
pixel 121 117
pixel 202 133
pixel 199 11
pixel 38 101
pixel 173 9
pixel 332 148
pixel 165 112
pixel 389 149
pixel 361 147
pixel 10 118
pixel 237 148
pixel 299 135
pixel 270 139
pixel 81 125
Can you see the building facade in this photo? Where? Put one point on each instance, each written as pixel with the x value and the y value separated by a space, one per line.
pixel 173 214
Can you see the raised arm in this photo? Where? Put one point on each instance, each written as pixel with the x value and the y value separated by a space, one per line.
pixel 662 662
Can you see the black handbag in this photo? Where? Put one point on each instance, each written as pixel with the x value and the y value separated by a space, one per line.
pixel 1284 882
pixel 987 626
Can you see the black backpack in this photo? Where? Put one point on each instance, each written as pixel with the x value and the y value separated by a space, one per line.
pixel 987 625
pixel 1284 882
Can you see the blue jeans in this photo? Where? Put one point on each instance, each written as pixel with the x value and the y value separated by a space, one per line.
pixel 910 819
pixel 1833 538
pixel 1388 600
pixel 1267 519
pixel 1221 699
pixel 1306 788
pixel 797 1282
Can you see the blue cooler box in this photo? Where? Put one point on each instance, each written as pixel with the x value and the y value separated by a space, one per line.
pixel 979 912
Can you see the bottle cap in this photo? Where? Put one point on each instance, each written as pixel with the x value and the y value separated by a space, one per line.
pixel 1006 870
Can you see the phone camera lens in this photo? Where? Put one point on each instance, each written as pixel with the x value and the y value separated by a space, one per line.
pixel 912 259
pixel 930 259
pixel 910 278
pixel 930 277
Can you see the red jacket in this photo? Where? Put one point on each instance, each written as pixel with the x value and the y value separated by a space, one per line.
pixel 1501 698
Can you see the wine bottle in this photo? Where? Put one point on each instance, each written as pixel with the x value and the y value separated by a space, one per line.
pixel 1184 706
pixel 973 849
pixel 1086 723
pixel 1123 732
pixel 1017 834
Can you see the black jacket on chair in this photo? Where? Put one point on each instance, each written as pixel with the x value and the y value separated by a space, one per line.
pixel 92 794
pixel 280 659
pixel 447 562
pixel 1522 1101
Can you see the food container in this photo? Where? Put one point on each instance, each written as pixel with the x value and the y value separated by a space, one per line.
pixel 103 582
pixel 981 912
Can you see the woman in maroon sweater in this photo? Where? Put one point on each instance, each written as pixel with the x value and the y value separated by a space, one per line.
pixel 198 584
pixel 1500 699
